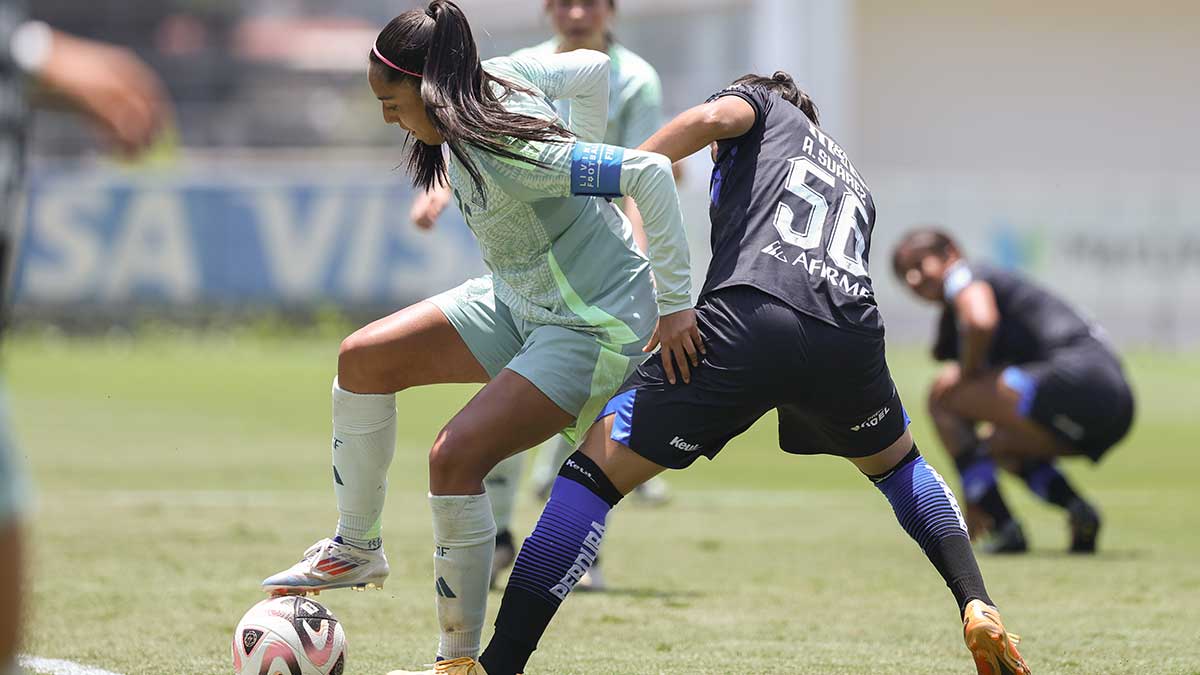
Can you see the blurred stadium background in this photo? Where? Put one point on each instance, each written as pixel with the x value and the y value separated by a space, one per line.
pixel 176 469
pixel 1058 138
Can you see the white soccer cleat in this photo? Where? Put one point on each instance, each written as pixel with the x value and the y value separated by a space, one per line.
pixel 592 580
pixel 654 492
pixel 329 564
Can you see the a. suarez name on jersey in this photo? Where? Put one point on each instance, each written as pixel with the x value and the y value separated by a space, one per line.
pixel 792 217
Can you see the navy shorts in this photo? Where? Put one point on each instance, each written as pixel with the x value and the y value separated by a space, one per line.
pixel 830 385
pixel 1079 394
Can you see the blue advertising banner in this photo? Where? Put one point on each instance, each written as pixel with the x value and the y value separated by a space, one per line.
pixel 270 235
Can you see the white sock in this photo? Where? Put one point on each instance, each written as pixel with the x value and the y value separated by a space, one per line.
pixel 464 537
pixel 502 487
pixel 550 458
pixel 364 441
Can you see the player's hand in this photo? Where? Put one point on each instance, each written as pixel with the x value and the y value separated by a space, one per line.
pixel 679 337
pixel 110 85
pixel 428 206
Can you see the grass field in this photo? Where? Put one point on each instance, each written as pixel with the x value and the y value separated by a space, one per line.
pixel 175 472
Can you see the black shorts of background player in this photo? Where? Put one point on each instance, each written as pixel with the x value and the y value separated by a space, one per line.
pixel 790 323
pixel 1031 367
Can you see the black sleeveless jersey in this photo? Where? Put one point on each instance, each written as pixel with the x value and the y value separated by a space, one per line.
pixel 1034 323
pixel 792 217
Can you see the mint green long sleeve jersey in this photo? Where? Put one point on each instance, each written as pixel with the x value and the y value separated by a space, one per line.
pixel 557 256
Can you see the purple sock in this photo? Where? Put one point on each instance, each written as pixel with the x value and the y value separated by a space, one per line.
pixel 564 544
pixel 1046 481
pixel 553 558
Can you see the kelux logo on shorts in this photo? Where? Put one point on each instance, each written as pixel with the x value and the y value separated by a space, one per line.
pixel 873 420
pixel 683 445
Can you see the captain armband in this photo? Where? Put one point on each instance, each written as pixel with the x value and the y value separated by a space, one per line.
pixel 596 170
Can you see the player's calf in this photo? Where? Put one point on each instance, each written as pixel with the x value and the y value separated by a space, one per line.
pixel 981 491
pixel 928 512
pixel 552 561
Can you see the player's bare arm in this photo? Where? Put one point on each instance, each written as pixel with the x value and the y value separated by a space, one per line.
pixel 108 84
pixel 978 317
pixel 696 128
pixel 427 206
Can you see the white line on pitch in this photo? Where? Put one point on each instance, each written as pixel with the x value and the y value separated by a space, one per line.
pixel 60 667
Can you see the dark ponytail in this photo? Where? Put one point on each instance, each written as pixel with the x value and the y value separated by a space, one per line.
pixel 437 43
pixel 781 83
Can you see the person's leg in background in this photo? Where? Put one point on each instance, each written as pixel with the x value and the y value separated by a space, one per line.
pixel 503 486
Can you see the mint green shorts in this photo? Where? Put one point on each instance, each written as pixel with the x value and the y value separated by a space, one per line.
pixel 577 369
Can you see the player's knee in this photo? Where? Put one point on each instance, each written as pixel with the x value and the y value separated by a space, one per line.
pixel 1004 448
pixel 581 469
pixel 458 458
pixel 353 356
pixel 361 369
pixel 942 388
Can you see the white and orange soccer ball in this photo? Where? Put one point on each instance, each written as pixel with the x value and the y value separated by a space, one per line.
pixel 290 635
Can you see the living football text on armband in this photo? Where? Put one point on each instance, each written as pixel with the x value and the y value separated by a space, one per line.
pixel 596 170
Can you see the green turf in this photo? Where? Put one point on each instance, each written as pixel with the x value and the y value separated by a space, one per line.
pixel 174 473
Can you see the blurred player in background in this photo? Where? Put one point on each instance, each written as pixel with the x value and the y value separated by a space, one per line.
pixel 117 92
pixel 790 323
pixel 1031 367
pixel 566 314
pixel 634 112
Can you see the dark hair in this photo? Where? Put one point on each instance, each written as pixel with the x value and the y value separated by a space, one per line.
pixel 922 242
pixel 612 4
pixel 457 93
pixel 781 83
pixel 609 38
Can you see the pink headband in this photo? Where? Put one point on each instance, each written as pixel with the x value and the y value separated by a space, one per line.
pixel 375 49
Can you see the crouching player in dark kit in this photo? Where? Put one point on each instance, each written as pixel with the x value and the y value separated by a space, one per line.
pixel 789 322
pixel 1029 365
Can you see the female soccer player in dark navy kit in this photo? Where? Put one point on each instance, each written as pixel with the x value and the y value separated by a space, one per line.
pixel 789 322
pixel 1028 364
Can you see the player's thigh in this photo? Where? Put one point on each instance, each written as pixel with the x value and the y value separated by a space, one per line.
pixel 672 425
pixel 558 375
pixel 885 460
pixel 848 406
pixel 624 468
pixel 984 398
pixel 1012 446
pixel 452 337
pixel 1079 401
pixel 997 398
pixel 508 415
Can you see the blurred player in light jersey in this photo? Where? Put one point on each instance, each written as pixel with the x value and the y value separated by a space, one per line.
pixel 790 323
pixel 634 113
pixel 113 89
pixel 566 314
pixel 1032 368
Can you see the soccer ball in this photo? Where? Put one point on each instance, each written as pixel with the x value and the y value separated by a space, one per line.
pixel 290 635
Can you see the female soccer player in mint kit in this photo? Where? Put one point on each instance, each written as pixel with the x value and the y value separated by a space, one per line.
pixel 563 318
pixel 634 113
